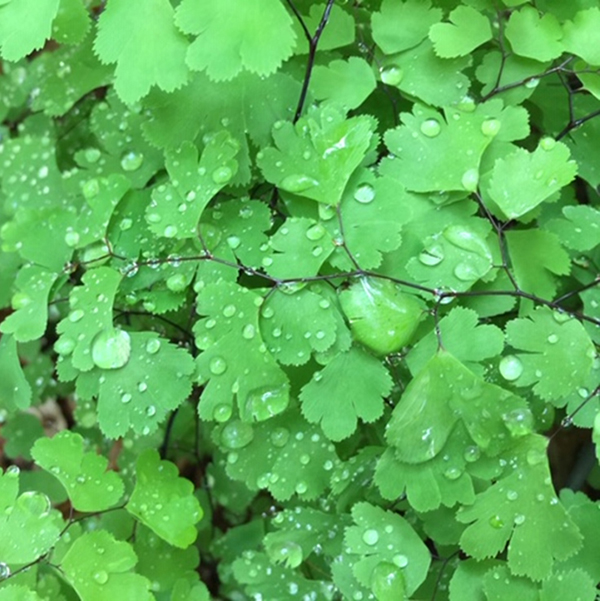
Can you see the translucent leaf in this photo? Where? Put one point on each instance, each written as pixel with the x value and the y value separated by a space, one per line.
pixel 99 568
pixel 177 206
pixel 127 35
pixel 402 25
pixel 534 36
pixel 348 83
pixel 558 353
pixel 522 180
pixel 20 433
pixel 234 35
pixel 581 35
pixel 469 29
pixel 462 336
pixel 284 455
pixel 580 229
pixel 299 248
pixel 235 362
pixel 316 157
pixel 155 380
pixel 30 318
pixel 351 386
pixel 90 315
pixel 29 527
pixel 444 392
pixel 298 325
pixel 382 536
pixel 84 475
pixel 19 34
pixel 422 74
pixel 15 391
pixel 163 501
pixel 522 507
pixel 72 22
pixel 537 256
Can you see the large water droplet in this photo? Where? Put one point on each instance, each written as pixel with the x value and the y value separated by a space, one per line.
pixel 472 454
pixel 519 422
pixel 177 282
pixel 90 188
pixel 153 346
pixel 280 437
pixel 222 175
pixel 432 255
pixel 496 522
pixel 170 231
pixel 315 232
pixel 76 315
pixel 466 272
pixel 298 183
pixel 233 242
pixel 71 239
pixel 101 577
pixel 365 193
pixel 237 435
pixel 111 349
pixel 466 239
pixel 265 402
pixel 217 366
pixel 431 128
pixel 370 536
pixel 490 127
pixel 391 75
pixel 470 179
pixel 222 412
pixel 92 155
pixel 64 346
pixel 288 553
pixel 131 161
pixel 35 503
pixel 387 582
pixel 511 368
pixel 547 143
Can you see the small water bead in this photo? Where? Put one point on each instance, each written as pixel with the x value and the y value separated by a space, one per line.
pixel 326 212
pixel 370 536
pixel 153 346
pixel 222 412
pixel 467 272
pixel 288 553
pixel 561 316
pixel 536 456
pixel 453 473
pixel 126 398
pixel 233 242
pixel 142 387
pixel 532 83
pixel 490 127
pixel 519 422
pixel 249 332
pixel 280 437
pixel 125 224
pixel 431 128
pixel 12 471
pixel 170 231
pixel 111 349
pixel 91 155
pixel 472 454
pixel 511 368
pixel 72 239
pixel 547 143
pixel 470 179
pixel 151 411
pixel 153 218
pixel 217 366
pixel 391 75
pixel 432 255
pixel 229 310
pixel 496 522
pixel 519 519
pixel 91 188
pixel 132 161
pixel 512 495
pixel 298 183
pixel 76 315
pixel 101 577
pixel 64 346
pixel 365 193
pixel 315 232
pixel 400 560
pixel 222 175
pixel 237 434
pixel 552 339
pixel 301 488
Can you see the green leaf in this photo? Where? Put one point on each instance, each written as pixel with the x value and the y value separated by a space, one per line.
pixel 523 180
pixel 163 501
pixel 461 336
pixel 84 475
pixel 233 35
pixel 534 36
pixel 469 29
pixel 29 527
pixel 90 317
pixel 522 507
pixel 155 379
pixel 384 537
pixel 99 568
pixel 581 35
pixel 19 33
pixel 580 230
pixel 347 83
pixel 316 157
pixel 235 361
pixel 128 34
pixel 564 584
pixel 500 584
pixel 177 206
pixel 402 25
pixel 15 391
pixel 20 432
pixel 558 353
pixel 72 22
pixel 536 257
pixel 30 318
pixel 350 386
pixel 16 592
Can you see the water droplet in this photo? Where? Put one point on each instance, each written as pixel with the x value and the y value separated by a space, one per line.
pixel 170 231
pixel 12 471
pixel 222 412
pixel 92 155
pixel 125 224
pixel 76 315
pixel 233 242
pixel 387 582
pixel 315 232
pixel 151 411
pixel 4 571
pixel 519 422
pixel 466 272
pixel 467 104
pixel 132 161
pixel 365 193
pixel 431 128
pixel 490 127
pixel 391 75
pixel 35 503
pixel 432 255
pixel 532 83
pixel 64 346
pixel 288 553
pixel 535 456
pixel 453 473
pixel 496 522
pixel 71 239
pixel 229 310
pixel 267 401
pixel 370 536
pixel 472 454
pixel 111 349
pixel 470 179
pixel 90 188
pixel 561 316
pixel 217 366
pixel 177 282
pixel 222 175
pixel 153 346
pixel 400 560
pixel 552 339
pixel 301 488
pixel 280 437
pixel 298 183
pixel 519 519
pixel 547 143
pixel 249 332
pixel 512 495
pixel 511 368
pixel 142 387
pixel 237 434
pixel 126 398
pixel 101 577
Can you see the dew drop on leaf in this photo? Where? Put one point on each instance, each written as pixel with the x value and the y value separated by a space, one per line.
pixel 13 471
pixel 470 179
pixel 547 143
pixel 387 582
pixel 392 75
pixel 496 522
pixel 126 398
pixel 535 457
pixel 298 183
pixel 170 231
pixel 365 193
pixel 64 346
pixel 233 242
pixel 229 310
pixel 101 577
pixel 90 188
pixel 519 519
pixel 222 412
pixel 35 503
pixel 153 346
pixel 249 332
pixel 76 315
pixel 222 175
pixel 490 127
pixel 217 366
pixel 511 368
pixel 4 571
pixel 431 128
pixel 92 155
pixel 71 238
pixel 466 272
pixel 177 282
pixel 553 339
pixel 432 255
pixel 471 454
pixel 512 495
pixel 287 552
pixel 453 473
pixel 132 161
pixel 280 437
pixel 316 232
pixel 111 349
pixel 370 536
pixel 237 435
pixel 519 422
pixel 301 488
